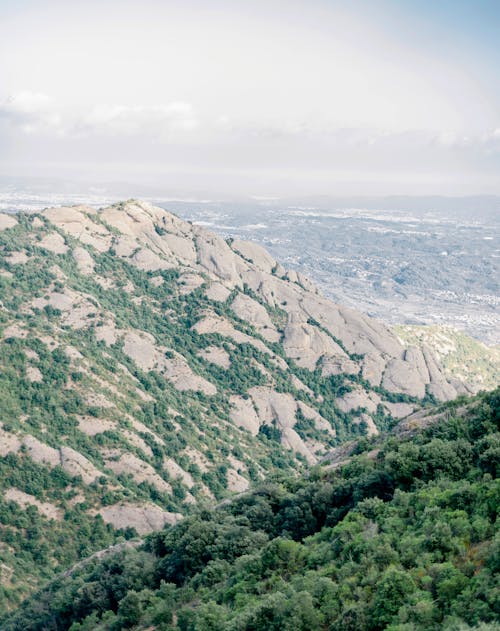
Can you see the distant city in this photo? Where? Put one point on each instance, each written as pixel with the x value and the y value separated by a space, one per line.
pixel 403 260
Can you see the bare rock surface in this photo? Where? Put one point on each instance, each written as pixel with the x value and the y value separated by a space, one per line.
pixel 136 441
pixel 15 330
pixel 84 261
pixel 319 422
pixel 7 221
pixel 217 292
pixel 25 499
pixel 9 442
pixel 91 425
pixel 216 256
pixel 145 518
pixel 402 376
pixel 358 398
pixel 338 366
pixel 236 482
pixel 141 471
pixel 399 410
pixel 40 452
pixel 189 281
pixel 307 344
pixel 255 254
pixel 77 308
pixel 255 314
pixel 274 407
pixel 215 355
pixel 212 323
pixel 291 440
pixel 243 414
pixel 175 471
pixel 55 243
pixel 75 463
pixel 18 258
pixel 33 374
pixel 142 348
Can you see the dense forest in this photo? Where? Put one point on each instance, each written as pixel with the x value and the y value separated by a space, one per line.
pixel 401 536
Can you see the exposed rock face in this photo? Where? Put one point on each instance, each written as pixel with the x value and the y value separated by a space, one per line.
pixel 280 409
pixel 141 471
pixel 217 292
pixel 167 241
pixel 84 261
pixel 253 312
pixel 274 407
pixel 236 482
pixel 216 355
pixel 358 398
pixel 9 443
pixel 216 257
pixel 306 344
pixel 255 255
pixel 212 323
pixel 244 415
pixel 7 221
pixel 76 464
pixel 141 347
pixel 144 518
pixel 176 471
pixel 276 320
pixel 41 453
pixel 91 426
pixel 55 243
pixel 311 414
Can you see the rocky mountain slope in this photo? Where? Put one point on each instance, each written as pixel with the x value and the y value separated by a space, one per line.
pixel 147 365
pixel 459 355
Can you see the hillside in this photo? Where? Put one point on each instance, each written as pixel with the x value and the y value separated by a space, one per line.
pixel 401 536
pixel 147 365
pixel 459 355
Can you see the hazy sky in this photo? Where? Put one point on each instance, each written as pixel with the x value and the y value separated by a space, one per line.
pixel 264 98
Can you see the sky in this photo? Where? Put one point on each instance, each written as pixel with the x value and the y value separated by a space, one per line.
pixel 263 98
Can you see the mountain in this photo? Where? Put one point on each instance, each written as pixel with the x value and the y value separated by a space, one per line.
pixel 459 355
pixel 148 366
pixel 401 535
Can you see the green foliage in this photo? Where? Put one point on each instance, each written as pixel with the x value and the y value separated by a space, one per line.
pixel 406 541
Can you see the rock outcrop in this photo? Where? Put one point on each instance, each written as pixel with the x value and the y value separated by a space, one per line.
pixel 147 364
pixel 155 315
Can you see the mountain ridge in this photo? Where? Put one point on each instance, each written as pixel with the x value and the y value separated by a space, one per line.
pixel 149 365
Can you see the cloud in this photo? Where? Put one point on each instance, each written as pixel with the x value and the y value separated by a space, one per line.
pixel 36 113
pixel 173 135
pixel 161 120
pixel 487 142
pixel 31 112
